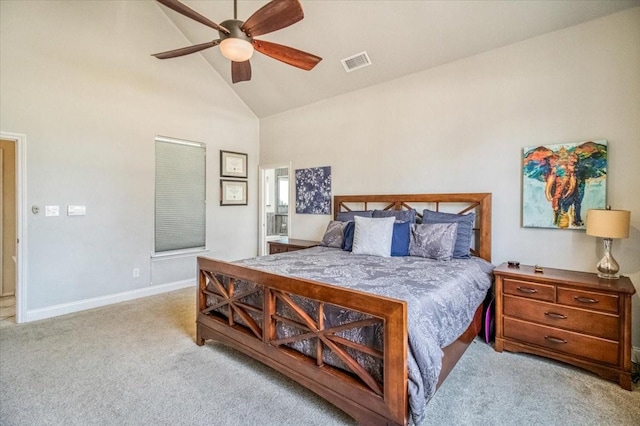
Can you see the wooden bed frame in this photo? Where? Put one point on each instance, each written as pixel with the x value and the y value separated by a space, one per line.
pixel 233 317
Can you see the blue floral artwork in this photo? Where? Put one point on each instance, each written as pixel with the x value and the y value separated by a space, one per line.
pixel 313 190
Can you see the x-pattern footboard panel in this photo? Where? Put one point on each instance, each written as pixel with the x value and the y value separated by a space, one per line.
pixel 325 338
pixel 249 309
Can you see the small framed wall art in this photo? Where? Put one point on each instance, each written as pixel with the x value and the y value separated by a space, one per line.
pixel 233 192
pixel 233 164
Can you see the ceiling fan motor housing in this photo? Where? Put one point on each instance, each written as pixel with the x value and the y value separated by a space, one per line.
pixel 234 26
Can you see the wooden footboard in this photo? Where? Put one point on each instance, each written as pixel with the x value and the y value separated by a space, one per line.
pixel 245 318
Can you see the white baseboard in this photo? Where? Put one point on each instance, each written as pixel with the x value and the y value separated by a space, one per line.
pixel 96 302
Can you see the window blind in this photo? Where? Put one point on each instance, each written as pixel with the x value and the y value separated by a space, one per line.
pixel 180 212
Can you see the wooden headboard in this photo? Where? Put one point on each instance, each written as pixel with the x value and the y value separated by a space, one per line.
pixel 479 203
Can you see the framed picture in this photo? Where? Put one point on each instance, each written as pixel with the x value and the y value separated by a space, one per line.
pixel 233 164
pixel 313 190
pixel 561 182
pixel 233 192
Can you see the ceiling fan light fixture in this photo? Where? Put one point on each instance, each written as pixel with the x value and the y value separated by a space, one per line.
pixel 236 49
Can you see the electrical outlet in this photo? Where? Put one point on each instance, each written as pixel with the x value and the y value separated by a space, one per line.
pixel 136 273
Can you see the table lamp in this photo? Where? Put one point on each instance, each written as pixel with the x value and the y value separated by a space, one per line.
pixel 608 224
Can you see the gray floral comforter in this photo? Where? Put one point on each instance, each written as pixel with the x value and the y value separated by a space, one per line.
pixel 441 296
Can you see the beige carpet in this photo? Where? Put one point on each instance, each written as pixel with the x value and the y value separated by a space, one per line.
pixel 136 363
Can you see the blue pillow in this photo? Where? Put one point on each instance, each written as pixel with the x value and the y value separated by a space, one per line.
pixel 401 215
pixel 464 233
pixel 347 241
pixel 348 216
pixel 401 238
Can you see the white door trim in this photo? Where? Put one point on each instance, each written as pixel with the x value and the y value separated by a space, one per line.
pixel 21 220
pixel 262 225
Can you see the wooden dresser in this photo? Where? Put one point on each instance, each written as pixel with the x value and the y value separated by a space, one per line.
pixel 574 317
pixel 289 244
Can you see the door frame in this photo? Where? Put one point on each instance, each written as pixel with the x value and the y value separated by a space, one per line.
pixel 262 223
pixel 21 230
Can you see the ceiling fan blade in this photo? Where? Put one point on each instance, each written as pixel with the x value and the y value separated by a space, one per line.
pixel 288 55
pixel 275 15
pixel 186 50
pixel 190 13
pixel 240 71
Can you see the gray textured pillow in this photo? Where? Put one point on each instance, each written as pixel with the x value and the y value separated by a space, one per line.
pixel 464 233
pixel 348 216
pixel 373 236
pixel 334 234
pixel 433 240
pixel 401 215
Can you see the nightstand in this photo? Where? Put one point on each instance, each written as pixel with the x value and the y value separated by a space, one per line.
pixel 574 317
pixel 289 244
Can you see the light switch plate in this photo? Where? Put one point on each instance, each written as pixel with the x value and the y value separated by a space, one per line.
pixel 52 210
pixel 76 210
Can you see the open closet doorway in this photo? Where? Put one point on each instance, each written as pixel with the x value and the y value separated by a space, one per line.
pixel 275 191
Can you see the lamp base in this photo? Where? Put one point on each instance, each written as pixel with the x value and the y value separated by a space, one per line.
pixel 608 276
pixel 608 267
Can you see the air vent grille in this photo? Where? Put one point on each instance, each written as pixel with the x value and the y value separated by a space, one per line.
pixel 356 62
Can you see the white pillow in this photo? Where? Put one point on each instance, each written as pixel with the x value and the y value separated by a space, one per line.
pixel 373 236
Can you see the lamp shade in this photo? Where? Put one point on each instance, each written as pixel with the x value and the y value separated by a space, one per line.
pixel 608 223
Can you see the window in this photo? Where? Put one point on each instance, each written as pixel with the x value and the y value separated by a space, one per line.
pixel 180 195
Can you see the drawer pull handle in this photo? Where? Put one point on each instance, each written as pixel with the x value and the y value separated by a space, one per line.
pixel 527 290
pixel 555 339
pixel 585 299
pixel 555 316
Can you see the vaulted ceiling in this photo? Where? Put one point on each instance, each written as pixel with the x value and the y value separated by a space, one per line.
pixel 400 37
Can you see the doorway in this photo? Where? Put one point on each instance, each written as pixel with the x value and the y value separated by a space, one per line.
pixel 7 230
pixel 12 232
pixel 275 190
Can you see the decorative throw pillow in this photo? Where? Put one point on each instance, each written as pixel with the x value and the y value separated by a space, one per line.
pixel 348 216
pixel 465 229
pixel 433 240
pixel 347 242
pixel 401 215
pixel 373 236
pixel 334 235
pixel 400 239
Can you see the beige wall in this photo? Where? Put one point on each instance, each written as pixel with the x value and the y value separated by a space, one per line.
pixel 8 217
pixel 461 127
pixel 78 80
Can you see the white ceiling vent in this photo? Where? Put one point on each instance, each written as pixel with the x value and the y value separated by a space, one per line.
pixel 356 62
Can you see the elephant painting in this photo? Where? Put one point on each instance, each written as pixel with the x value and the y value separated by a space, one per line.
pixel 560 180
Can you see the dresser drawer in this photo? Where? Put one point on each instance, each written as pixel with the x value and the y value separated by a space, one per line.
pixel 564 341
pixel 588 299
pixel 277 248
pixel 528 289
pixel 587 322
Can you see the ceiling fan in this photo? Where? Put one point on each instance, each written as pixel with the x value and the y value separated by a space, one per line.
pixel 236 38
